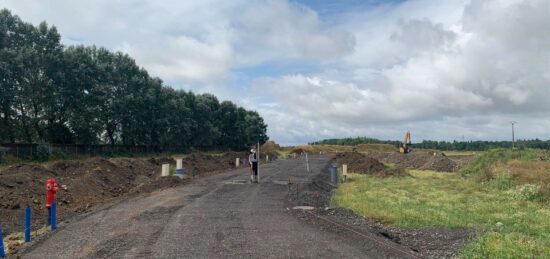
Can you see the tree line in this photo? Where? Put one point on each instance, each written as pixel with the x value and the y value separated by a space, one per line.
pixel 50 93
pixel 441 145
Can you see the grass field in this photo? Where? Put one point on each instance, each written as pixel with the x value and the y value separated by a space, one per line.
pixel 502 194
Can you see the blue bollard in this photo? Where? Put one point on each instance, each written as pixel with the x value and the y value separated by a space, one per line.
pixel 28 224
pixel 2 252
pixel 54 216
pixel 333 174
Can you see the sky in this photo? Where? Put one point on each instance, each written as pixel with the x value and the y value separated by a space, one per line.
pixel 445 69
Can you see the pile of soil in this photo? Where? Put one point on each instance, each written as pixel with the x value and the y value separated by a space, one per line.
pixel 360 163
pixel 297 151
pixel 270 146
pixel 419 160
pixel 87 183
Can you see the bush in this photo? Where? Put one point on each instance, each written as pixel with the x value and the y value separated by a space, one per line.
pixel 502 181
pixel 43 152
pixel 527 192
pixel 57 153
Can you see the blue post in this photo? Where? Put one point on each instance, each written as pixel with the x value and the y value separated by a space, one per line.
pixel 334 174
pixel 28 224
pixel 54 216
pixel 2 252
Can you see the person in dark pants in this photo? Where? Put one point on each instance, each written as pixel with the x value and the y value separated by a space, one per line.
pixel 253 160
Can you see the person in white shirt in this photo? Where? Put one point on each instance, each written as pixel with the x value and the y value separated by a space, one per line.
pixel 253 160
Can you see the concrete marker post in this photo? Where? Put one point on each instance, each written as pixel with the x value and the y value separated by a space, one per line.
pixel 165 170
pixel 345 171
pixel 27 224
pixel 179 163
pixel 237 161
pixel 179 168
pixel 2 251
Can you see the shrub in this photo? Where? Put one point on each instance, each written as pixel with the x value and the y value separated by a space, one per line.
pixel 57 153
pixel 527 192
pixel 43 152
pixel 502 181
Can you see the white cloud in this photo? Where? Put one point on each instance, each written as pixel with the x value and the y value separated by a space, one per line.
pixel 194 42
pixel 441 68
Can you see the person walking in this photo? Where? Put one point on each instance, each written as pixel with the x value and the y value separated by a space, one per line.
pixel 253 160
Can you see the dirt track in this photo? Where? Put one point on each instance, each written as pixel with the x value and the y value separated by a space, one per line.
pixel 213 217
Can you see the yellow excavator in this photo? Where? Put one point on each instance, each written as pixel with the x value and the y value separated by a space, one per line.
pixel 406 146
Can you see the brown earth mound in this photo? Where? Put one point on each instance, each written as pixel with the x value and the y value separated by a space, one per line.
pixel 362 164
pixel 86 183
pixel 270 146
pixel 419 160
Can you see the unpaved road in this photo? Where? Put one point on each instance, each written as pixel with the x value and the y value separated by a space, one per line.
pixel 213 217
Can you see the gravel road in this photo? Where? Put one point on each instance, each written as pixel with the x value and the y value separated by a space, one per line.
pixel 221 216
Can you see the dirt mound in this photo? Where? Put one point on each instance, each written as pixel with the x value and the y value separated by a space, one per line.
pixel 297 151
pixel 362 164
pixel 419 160
pixel 270 146
pixel 162 160
pixel 90 182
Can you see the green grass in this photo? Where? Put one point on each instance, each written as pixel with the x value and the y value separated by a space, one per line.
pixel 453 201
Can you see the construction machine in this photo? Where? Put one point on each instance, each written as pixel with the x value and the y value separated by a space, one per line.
pixel 406 146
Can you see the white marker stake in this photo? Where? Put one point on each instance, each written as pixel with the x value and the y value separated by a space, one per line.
pixel 345 171
pixel 258 150
pixel 179 163
pixel 237 161
pixel 165 170
pixel 307 163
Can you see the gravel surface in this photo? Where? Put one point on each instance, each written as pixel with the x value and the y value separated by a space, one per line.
pixel 220 216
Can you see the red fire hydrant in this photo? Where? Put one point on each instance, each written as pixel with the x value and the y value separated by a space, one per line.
pixel 51 191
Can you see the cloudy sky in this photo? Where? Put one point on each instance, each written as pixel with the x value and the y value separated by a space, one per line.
pixel 445 69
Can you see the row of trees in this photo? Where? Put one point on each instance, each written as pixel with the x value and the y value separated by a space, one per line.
pixel 442 145
pixel 88 95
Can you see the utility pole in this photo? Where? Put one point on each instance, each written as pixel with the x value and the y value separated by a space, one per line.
pixel 513 137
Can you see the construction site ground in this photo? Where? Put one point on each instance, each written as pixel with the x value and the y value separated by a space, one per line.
pixel 121 207
pixel 219 216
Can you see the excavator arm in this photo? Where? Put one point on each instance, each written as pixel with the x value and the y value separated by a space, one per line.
pixel 405 148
